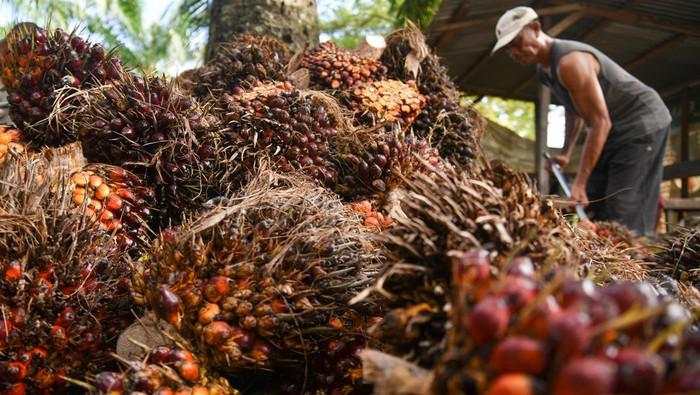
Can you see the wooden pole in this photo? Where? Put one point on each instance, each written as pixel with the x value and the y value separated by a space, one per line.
pixel 685 138
pixel 541 124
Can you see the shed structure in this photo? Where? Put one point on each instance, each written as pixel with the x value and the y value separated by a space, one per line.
pixel 656 40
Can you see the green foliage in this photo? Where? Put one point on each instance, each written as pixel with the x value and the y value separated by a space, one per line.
pixel 119 24
pixel 420 12
pixel 346 23
pixel 518 116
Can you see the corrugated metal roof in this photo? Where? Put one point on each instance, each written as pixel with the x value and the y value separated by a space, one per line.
pixel 623 40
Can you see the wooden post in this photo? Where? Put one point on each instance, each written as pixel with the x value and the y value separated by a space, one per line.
pixel 541 124
pixel 685 139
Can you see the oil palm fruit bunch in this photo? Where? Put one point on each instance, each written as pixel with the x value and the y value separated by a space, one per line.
pixel 37 65
pixel 331 67
pixel 115 199
pixel 240 64
pixel 265 282
pixel 166 370
pixel 516 330
pixel 10 142
pixel 295 128
pixel 678 255
pixel 451 129
pixel 64 289
pixel 445 210
pixel 371 162
pixel 387 101
pixel 126 122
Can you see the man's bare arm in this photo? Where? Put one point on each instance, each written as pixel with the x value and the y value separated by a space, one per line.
pixel 573 127
pixel 578 72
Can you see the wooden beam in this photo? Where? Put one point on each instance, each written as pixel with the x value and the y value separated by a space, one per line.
pixel 636 18
pixel 541 125
pixel 565 23
pixel 483 58
pixel 679 88
pixel 458 14
pixel 492 18
pixel 685 138
pixel 603 23
pixel 682 170
pixel 655 51
pixel 480 90
pixel 682 204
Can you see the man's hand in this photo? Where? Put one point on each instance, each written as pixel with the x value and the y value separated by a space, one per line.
pixel 578 193
pixel 562 159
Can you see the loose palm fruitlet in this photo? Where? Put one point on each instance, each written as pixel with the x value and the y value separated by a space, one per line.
pixel 166 370
pixel 126 122
pixel 568 336
pixel 10 142
pixel 64 290
pixel 389 101
pixel 115 199
pixel 265 282
pixel 295 128
pixel 240 64
pixel 40 70
pixel 331 67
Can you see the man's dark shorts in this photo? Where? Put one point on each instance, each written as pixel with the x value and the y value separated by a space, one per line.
pixel 625 183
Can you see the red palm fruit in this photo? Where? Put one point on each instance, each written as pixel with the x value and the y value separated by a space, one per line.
pixel 14 371
pixel 569 333
pixel 217 288
pixel 208 313
pixel 576 292
pixel 200 390
pixel 109 382
pixel 639 372
pixel 13 271
pixel 537 322
pixel 260 351
pixel 16 389
pixel 189 371
pixel 164 391
pixel 522 266
pixel 627 295
pixel 488 320
pixel 216 333
pixel 474 268
pixel 170 306
pixel 586 376
pixel 519 354
pixel 512 384
pixel 518 292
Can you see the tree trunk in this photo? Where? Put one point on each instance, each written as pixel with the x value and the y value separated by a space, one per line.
pixel 293 21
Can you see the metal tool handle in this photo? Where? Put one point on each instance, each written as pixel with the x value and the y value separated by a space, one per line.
pixel 559 175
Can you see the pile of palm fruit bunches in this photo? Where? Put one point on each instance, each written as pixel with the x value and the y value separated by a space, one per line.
pixel 276 227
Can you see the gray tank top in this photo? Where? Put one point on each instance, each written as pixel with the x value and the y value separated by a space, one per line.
pixel 635 109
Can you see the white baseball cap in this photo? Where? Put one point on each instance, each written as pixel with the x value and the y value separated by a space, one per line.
pixel 511 23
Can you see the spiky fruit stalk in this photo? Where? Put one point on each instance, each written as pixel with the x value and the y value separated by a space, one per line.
pixel 267 280
pixel 40 70
pixel 295 128
pixel 166 370
pixel 126 122
pixel 450 128
pixel 241 63
pixel 64 287
pixel 332 67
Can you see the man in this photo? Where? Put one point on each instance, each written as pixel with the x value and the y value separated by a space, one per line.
pixel 621 164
